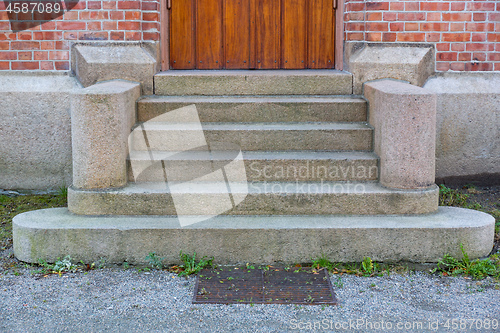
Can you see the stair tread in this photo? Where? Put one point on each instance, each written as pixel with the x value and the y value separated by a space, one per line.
pixel 263 188
pixel 254 99
pixel 255 155
pixel 258 126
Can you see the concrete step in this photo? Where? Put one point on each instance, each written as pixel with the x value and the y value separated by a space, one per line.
pixel 252 198
pixel 251 82
pixel 259 166
pixel 258 108
pixel 53 233
pixel 256 136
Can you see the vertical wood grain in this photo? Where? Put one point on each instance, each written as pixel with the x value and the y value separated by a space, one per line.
pixel 209 34
pixel 182 37
pixel 320 34
pixel 237 34
pixel 267 34
pixel 294 34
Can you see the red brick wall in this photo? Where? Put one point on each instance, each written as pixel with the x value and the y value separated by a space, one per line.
pixel 46 47
pixel 466 33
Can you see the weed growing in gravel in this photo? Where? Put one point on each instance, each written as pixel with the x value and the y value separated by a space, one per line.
pixel 191 266
pixel 154 260
pixel 478 269
pixel 323 262
pixel 451 197
pixel 59 267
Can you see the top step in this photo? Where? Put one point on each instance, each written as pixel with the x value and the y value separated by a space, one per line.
pixel 253 82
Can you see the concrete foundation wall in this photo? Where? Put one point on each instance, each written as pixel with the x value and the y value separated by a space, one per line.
pixel 35 130
pixel 468 125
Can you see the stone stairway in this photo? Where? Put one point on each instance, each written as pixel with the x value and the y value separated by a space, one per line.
pixel 303 154
pixel 252 166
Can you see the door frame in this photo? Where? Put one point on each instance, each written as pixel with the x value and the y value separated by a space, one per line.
pixel 165 42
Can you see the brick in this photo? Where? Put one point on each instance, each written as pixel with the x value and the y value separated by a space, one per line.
pixel 377 26
pixel 24 35
pixel 149 26
pixel 92 35
pixel 109 5
pixel 497 67
pixel 150 6
pixel 458 47
pixel 456 37
pixel 443 46
pixel 70 35
pixel 479 37
pixel 47 65
pixel 150 36
pixel 59 55
pixel 70 25
pixel 355 26
pixel 465 56
pixel 25 45
pixel 95 25
pixel 457 66
pixel 10 55
pixel 349 17
pixel 40 55
pixel 84 16
pixel 355 36
pixel 446 56
pixel 476 47
pixel 47 35
pixel 373 36
pixel 62 65
pixel 433 16
pixel 71 15
pixel 154 16
pixel 434 26
pixel 117 35
pixel 125 25
pixel 397 6
pixel 479 16
pixel 411 16
pixel 481 6
pixel 132 35
pixel 455 17
pixel 129 5
pixel 132 16
pixel 389 37
pixel 397 26
pixel 388 16
pixel 109 25
pixel 457 6
pixel 478 56
pixel 411 26
pixel 117 15
pixel 50 25
pixel 494 38
pixel 47 45
pixel 378 5
pixel 4 65
pixel 472 26
pixel 4 45
pixel 93 5
pixel 62 45
pixel 442 66
pixel 432 37
pixel 412 6
pixel 493 56
pixel 25 56
pixel 355 6
pixel 410 37
pixel 457 26
pixel 476 66
pixel 99 15
pixel 25 65
pixel 375 16
pixel 434 6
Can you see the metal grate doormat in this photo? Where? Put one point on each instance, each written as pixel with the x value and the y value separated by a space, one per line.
pixel 258 286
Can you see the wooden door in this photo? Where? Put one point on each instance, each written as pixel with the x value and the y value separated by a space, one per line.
pixel 252 34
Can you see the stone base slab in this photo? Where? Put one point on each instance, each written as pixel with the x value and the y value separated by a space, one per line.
pixel 51 233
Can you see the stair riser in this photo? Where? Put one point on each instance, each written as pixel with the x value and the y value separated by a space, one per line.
pixel 212 83
pixel 263 170
pixel 276 202
pixel 263 140
pixel 346 110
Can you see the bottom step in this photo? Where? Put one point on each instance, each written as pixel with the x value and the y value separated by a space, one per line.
pixel 51 233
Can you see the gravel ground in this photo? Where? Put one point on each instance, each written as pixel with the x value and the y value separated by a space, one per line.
pixel 118 300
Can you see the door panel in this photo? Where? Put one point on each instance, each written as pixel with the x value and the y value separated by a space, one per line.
pixel 267 34
pixel 294 34
pixel 260 34
pixel 182 50
pixel 321 34
pixel 237 34
pixel 209 34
